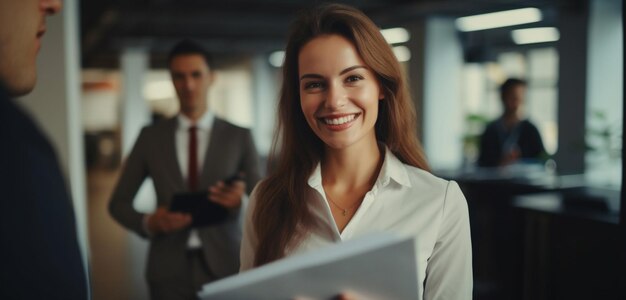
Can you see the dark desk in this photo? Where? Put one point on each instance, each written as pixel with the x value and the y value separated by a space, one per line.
pixel 498 225
pixel 601 205
pixel 571 247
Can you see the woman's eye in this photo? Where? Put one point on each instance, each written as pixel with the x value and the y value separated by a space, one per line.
pixel 354 78
pixel 312 85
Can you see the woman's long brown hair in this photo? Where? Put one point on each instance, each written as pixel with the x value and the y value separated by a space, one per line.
pixel 281 217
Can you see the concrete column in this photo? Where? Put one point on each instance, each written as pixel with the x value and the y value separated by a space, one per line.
pixel 265 93
pixel 135 114
pixel 55 105
pixel 435 71
pixel 134 109
pixel 572 47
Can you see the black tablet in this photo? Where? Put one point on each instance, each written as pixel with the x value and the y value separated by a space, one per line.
pixel 203 211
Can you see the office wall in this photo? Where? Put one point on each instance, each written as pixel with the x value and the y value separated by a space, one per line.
pixel 605 79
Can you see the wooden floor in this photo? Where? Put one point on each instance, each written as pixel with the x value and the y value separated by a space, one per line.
pixel 117 256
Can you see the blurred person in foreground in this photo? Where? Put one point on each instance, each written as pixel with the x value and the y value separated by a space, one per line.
pixel 40 254
pixel 510 139
pixel 349 162
pixel 192 152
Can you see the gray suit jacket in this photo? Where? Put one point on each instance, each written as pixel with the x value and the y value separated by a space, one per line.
pixel 231 150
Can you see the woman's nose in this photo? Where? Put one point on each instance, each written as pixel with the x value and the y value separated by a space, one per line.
pixel 336 97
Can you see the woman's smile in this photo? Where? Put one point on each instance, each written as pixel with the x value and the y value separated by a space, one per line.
pixel 339 122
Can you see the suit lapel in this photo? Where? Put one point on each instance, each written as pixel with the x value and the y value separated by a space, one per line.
pixel 170 157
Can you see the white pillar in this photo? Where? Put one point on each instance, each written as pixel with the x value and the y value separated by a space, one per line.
pixel 264 84
pixel 135 114
pixel 134 110
pixel 442 106
pixel 55 104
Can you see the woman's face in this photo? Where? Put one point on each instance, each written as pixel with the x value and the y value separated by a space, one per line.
pixel 339 94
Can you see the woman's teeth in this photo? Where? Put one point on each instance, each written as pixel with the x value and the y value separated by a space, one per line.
pixel 339 121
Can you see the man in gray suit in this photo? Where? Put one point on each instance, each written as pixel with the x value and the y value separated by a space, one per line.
pixel 194 151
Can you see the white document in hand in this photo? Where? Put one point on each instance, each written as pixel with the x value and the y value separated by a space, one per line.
pixel 376 266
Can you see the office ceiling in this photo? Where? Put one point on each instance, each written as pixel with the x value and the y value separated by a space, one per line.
pixel 234 28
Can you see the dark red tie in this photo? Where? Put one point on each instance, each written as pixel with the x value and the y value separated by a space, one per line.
pixel 192 170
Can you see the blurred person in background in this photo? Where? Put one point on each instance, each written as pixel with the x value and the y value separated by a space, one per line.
pixel 192 152
pixel 510 139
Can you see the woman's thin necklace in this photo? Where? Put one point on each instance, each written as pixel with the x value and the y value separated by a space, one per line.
pixel 343 210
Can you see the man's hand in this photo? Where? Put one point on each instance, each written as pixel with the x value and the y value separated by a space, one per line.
pixel 227 195
pixel 164 221
pixel 510 157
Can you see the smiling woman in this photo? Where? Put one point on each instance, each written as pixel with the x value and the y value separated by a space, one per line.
pixel 338 94
pixel 349 162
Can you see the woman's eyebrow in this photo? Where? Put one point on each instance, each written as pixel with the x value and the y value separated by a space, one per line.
pixel 344 71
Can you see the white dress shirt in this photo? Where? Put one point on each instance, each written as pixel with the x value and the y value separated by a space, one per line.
pixel 408 202
pixel 203 133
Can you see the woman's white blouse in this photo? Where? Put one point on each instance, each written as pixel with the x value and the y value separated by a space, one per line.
pixel 408 202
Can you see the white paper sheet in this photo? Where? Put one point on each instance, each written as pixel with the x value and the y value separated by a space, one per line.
pixel 378 266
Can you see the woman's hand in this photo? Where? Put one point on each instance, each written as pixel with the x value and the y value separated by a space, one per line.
pixel 348 295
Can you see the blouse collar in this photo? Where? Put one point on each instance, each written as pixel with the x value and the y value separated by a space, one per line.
pixel 392 169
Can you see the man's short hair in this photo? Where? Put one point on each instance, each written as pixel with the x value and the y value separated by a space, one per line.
pixel 187 47
pixel 509 84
